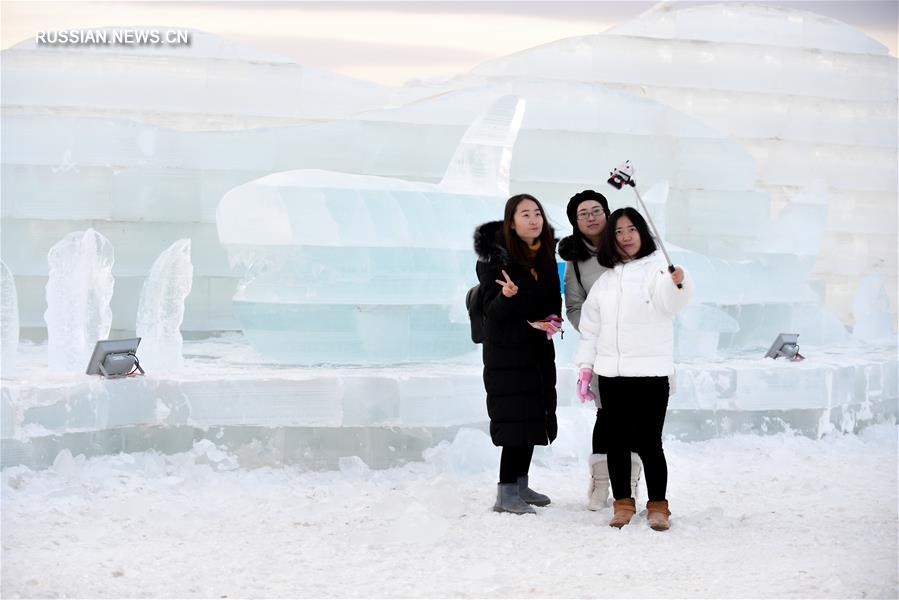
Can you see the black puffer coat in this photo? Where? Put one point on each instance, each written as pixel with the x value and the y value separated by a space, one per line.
pixel 519 362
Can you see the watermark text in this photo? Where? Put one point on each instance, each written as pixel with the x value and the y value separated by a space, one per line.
pixel 113 37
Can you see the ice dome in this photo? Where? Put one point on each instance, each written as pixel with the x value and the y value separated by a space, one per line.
pixel 703 53
pixel 202 85
pixel 737 23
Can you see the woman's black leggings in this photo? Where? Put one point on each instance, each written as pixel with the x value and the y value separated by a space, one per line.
pixel 634 410
pixel 514 462
pixel 600 433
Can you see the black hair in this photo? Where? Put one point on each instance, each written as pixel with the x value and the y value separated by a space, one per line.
pixel 609 255
pixel 518 249
pixel 577 246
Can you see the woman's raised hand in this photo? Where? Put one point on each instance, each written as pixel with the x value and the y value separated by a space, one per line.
pixel 509 288
pixel 677 275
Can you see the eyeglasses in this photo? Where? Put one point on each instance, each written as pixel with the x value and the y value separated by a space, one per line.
pixel 595 213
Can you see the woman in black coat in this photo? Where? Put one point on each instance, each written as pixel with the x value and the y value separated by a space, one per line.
pixel 521 301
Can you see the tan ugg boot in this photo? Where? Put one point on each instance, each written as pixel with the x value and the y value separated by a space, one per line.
pixel 624 512
pixel 657 514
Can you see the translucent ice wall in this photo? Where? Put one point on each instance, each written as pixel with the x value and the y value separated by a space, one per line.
pixel 144 179
pixel 161 308
pixel 809 98
pixel 79 289
pixel 9 321
pixel 140 143
pixel 739 108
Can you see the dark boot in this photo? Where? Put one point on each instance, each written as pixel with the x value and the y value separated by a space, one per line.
pixel 509 500
pixel 529 495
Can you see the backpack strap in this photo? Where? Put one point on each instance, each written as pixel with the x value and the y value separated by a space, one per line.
pixel 577 275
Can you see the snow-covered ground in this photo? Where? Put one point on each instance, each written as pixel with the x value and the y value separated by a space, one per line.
pixel 753 516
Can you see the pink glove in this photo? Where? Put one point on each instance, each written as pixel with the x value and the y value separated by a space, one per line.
pixel 583 385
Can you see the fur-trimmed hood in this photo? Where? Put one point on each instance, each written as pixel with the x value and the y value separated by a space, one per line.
pixel 574 249
pixel 488 242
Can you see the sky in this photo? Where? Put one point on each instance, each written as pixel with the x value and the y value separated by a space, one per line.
pixel 390 42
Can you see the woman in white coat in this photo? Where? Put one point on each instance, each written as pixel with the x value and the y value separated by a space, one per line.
pixel 587 212
pixel 627 339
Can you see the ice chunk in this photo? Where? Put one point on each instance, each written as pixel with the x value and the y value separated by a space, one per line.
pixel 205 452
pixel 470 452
pixel 79 290
pixel 67 465
pixel 9 314
pixel 161 308
pixel 353 466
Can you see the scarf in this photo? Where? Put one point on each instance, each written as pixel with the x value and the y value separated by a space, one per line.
pixel 532 254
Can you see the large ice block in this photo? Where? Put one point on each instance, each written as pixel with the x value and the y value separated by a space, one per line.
pixel 79 289
pixel 272 415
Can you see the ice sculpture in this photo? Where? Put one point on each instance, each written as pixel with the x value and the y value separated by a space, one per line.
pixel 9 315
pixel 750 294
pixel 160 311
pixel 809 97
pixel 871 309
pixel 79 289
pixel 357 269
pixel 735 105
pixel 143 142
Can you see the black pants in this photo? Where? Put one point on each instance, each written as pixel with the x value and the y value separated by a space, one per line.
pixel 634 409
pixel 514 462
pixel 600 433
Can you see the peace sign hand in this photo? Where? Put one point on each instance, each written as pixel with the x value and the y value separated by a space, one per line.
pixel 509 288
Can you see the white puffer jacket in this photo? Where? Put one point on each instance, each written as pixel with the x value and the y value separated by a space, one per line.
pixel 627 321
